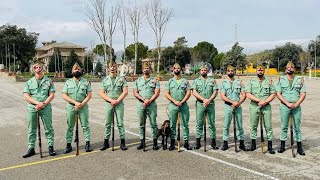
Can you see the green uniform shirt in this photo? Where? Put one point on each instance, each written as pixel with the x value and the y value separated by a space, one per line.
pixel 205 87
pixel 291 94
pixel 113 90
pixel 178 91
pixel 39 92
pixel 233 90
pixel 147 87
pixel 77 92
pixel 261 90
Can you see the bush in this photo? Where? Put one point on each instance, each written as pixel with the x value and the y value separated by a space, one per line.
pixel 163 72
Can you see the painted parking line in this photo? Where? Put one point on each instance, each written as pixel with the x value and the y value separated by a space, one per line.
pixel 59 158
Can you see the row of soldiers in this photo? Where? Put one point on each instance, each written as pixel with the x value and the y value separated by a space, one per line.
pixel 291 91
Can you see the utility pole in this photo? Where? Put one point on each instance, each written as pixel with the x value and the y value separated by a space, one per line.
pixel 14 58
pixel 9 56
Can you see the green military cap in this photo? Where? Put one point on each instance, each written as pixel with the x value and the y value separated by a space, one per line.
pixel 76 66
pixel 145 64
pixel 204 66
pixel 230 68
pixel 290 64
pixel 176 65
pixel 260 66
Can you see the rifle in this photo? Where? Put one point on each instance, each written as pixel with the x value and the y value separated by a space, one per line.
pixel 76 139
pixel 291 136
pixel 205 131
pixel 262 138
pixel 178 138
pixel 113 112
pixel 39 134
pixel 235 132
pixel 144 130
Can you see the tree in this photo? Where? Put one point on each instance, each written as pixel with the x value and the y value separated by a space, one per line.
pixel 17 44
pixel 285 53
pixel 98 68
pixel 262 58
pixel 204 52
pixel 236 58
pixel 314 49
pixel 218 61
pixel 72 59
pixel 88 67
pixel 180 42
pixel 99 49
pixel 158 18
pixel 112 24
pixel 123 24
pixel 95 13
pixel 135 19
pixel 55 62
pixel 142 52
pixel 304 58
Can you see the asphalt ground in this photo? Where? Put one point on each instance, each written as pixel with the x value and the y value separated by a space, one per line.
pixel 136 164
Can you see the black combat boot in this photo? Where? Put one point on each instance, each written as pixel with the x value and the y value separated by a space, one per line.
pixel 242 146
pixel 198 144
pixel 88 147
pixel 68 148
pixel 29 153
pixel 141 145
pixel 271 151
pixel 214 144
pixel 155 144
pixel 225 146
pixel 51 151
pixel 105 145
pixel 172 145
pixel 186 145
pixel 282 147
pixel 300 150
pixel 123 146
pixel 253 145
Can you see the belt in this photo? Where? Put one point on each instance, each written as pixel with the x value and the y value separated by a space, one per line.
pixel 227 103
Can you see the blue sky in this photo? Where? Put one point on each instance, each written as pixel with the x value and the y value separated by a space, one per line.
pixel 261 24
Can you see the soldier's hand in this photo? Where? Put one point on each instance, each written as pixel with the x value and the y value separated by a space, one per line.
pixel 146 102
pixel 262 103
pixel 206 102
pixel 294 105
pixel 235 104
pixel 290 105
pixel 114 102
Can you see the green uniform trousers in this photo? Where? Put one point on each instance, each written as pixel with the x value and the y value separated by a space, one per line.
pixel 210 111
pixel 118 117
pixel 83 119
pixel 46 117
pixel 151 112
pixel 228 111
pixel 184 119
pixel 296 121
pixel 266 118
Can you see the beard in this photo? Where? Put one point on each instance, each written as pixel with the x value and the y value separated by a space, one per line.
pixel 204 75
pixel 289 72
pixel 146 72
pixel 260 75
pixel 177 72
pixel 231 75
pixel 77 74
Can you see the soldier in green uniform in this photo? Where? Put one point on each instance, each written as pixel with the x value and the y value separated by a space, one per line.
pixel 147 89
pixel 77 92
pixel 261 92
pixel 233 94
pixel 205 89
pixel 39 92
pixel 291 91
pixel 113 90
pixel 178 92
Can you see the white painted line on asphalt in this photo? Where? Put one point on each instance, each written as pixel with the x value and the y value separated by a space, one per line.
pixel 192 152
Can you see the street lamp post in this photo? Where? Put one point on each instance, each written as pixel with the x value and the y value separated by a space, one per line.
pixel 315 58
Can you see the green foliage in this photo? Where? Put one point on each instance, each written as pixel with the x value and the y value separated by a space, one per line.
pixel 314 46
pixel 142 53
pixel 99 50
pixel 72 59
pixel 218 61
pixel 204 52
pixel 23 41
pixel 235 57
pixel 98 68
pixel 55 62
pixel 289 51
pixel 88 66
pixel 180 42
pixel 163 72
